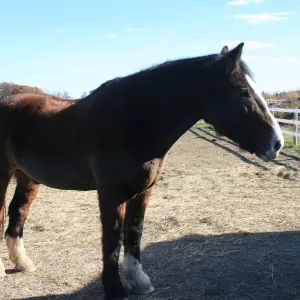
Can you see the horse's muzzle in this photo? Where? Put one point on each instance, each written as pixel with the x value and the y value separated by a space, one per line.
pixel 272 153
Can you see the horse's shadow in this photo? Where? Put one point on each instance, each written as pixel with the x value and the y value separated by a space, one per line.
pixel 242 266
pixel 210 132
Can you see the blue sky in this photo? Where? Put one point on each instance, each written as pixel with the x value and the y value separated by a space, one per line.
pixel 74 46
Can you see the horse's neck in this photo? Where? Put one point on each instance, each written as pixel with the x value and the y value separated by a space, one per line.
pixel 177 123
pixel 157 110
pixel 173 114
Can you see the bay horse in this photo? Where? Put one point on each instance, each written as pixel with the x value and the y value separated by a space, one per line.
pixel 116 141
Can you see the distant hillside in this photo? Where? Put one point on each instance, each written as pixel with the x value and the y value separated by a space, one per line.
pixel 292 98
pixel 9 88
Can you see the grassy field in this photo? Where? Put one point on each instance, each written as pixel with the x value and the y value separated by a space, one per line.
pixel 290 147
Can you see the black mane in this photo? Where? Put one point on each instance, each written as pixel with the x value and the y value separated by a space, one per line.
pixel 243 69
pixel 169 65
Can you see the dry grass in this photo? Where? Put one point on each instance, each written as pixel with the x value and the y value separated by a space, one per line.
pixel 220 225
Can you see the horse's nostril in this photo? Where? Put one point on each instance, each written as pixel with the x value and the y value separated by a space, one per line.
pixel 277 145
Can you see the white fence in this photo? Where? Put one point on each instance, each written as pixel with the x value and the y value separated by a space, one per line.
pixel 295 122
pixel 275 101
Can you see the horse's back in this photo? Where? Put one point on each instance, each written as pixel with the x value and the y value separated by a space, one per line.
pixel 39 103
pixel 40 137
pixel 22 115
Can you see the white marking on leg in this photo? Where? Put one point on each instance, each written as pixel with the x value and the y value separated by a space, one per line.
pixel 2 269
pixel 17 254
pixel 277 134
pixel 137 280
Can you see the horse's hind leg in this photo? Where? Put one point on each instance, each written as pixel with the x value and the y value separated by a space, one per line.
pixel 137 281
pixel 4 181
pixel 26 191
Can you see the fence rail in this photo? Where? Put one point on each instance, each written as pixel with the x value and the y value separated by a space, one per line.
pixel 288 121
pixel 285 109
pixel 277 101
pixel 295 122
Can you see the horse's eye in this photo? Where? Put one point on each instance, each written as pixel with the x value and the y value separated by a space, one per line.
pixel 245 93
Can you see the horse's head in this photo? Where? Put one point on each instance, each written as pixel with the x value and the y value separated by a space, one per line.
pixel 238 110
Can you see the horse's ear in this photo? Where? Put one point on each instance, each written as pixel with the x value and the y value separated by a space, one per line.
pixel 236 53
pixel 224 50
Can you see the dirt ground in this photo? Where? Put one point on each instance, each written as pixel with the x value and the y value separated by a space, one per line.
pixel 221 225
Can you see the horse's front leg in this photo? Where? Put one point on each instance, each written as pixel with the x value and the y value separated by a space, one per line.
pixel 137 280
pixel 112 202
pixel 25 193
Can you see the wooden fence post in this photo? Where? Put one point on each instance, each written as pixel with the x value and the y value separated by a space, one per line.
pixel 295 129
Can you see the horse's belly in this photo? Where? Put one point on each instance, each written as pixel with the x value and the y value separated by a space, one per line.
pixel 60 173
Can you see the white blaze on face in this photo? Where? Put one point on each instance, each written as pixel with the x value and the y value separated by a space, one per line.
pixel 277 134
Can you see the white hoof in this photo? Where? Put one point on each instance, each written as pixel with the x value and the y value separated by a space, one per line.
pixel 138 281
pixel 2 270
pixel 139 289
pixel 25 264
pixel 17 254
